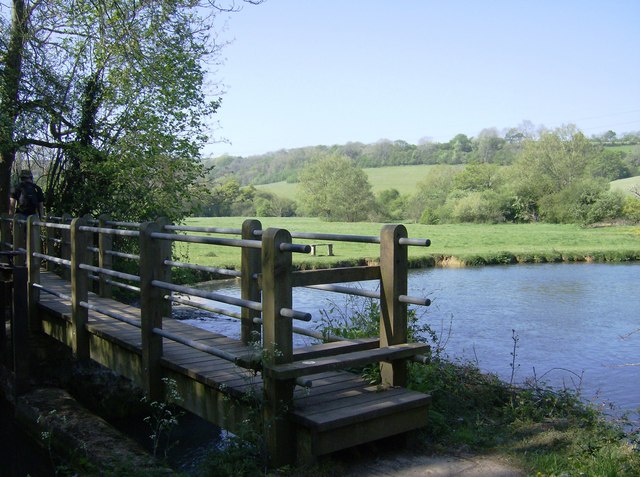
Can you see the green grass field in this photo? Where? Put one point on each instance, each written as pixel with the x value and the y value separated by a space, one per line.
pixel 626 185
pixel 406 179
pixel 471 244
pixel 403 178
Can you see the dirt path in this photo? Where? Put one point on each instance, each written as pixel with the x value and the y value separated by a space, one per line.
pixel 409 464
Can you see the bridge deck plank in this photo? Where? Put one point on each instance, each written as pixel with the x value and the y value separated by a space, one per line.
pixel 337 410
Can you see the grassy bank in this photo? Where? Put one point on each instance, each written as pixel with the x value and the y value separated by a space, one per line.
pixel 541 430
pixel 452 244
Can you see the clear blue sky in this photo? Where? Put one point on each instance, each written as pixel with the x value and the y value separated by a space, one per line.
pixel 309 72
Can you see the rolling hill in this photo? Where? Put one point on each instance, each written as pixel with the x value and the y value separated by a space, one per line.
pixel 403 178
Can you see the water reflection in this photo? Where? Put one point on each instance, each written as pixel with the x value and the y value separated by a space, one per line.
pixel 570 321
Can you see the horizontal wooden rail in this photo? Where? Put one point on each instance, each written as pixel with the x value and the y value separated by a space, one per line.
pixel 251 359
pixel 252 305
pixel 204 268
pixel 51 292
pixel 297 369
pixel 114 253
pixel 124 286
pixel 211 230
pixel 207 240
pixel 370 294
pixel 354 238
pixel 416 242
pixel 102 230
pixel 109 313
pixel 414 300
pixel 111 273
pixel 51 225
pixel 335 275
pixel 59 261
pixel 115 223
pixel 129 256
pixel 203 306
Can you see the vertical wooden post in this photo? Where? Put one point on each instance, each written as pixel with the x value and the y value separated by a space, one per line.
pixel 50 245
pixel 19 330
pixel 278 346
pixel 393 313
pixel 5 312
pixel 34 245
pixel 5 236
pixel 153 306
pixel 105 259
pixel 65 246
pixel 79 289
pixel 251 267
pixel 19 239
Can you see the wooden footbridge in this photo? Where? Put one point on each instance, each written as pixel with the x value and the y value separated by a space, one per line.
pixel 66 270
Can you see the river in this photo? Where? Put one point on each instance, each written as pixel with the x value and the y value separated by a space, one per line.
pixel 572 323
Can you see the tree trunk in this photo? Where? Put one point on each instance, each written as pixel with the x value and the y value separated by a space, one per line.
pixel 9 98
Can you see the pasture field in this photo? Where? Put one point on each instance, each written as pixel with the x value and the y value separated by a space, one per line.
pixel 626 185
pixel 452 244
pixel 403 178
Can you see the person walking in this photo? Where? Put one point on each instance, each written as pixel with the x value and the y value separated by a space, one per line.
pixel 27 198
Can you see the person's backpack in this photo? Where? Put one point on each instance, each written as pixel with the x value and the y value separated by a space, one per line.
pixel 28 200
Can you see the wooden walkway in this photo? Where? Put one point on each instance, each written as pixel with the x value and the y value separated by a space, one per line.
pixel 339 410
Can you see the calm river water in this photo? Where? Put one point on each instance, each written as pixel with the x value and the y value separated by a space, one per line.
pixel 573 322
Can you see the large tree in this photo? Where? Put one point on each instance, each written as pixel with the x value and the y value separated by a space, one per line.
pixel 334 189
pixel 109 98
pixel 558 161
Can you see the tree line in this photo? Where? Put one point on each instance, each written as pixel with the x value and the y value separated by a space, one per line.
pixel 107 102
pixel 490 145
pixel 558 176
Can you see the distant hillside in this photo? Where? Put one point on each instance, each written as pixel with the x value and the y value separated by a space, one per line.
pixel 406 179
pixel 283 166
pixel 627 184
pixel 403 178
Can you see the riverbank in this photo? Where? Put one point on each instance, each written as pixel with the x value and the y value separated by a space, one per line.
pixel 452 245
pixel 476 423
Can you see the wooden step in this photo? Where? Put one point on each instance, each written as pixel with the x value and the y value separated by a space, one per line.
pixel 353 415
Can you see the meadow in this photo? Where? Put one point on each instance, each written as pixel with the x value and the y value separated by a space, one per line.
pixel 403 178
pixel 626 185
pixel 406 179
pixel 452 244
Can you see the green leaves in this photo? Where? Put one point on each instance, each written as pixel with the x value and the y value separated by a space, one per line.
pixel 332 188
pixel 113 103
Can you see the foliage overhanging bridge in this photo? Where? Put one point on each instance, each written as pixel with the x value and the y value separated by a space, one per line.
pixel 64 271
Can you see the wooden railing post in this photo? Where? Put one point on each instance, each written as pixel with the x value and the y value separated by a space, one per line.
pixel 153 306
pixel 34 245
pixel 79 289
pixel 105 259
pixel 20 330
pixel 251 267
pixel 5 236
pixel 393 313
pixel 278 346
pixel 65 245
pixel 49 245
pixel 19 240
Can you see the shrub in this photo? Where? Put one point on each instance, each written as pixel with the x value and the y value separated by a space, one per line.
pixel 478 207
pixel 631 209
